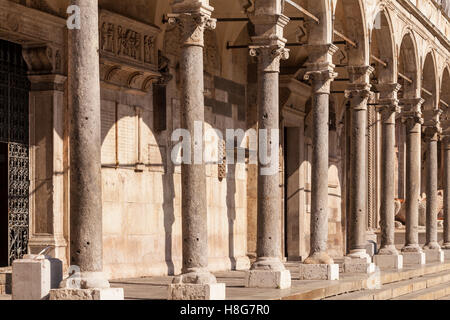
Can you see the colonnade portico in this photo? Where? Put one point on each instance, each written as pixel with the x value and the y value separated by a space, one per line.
pixel 338 75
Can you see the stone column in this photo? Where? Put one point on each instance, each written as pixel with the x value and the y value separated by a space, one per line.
pixel 412 117
pixel 86 245
pixel 320 72
pixel 446 244
pixel 195 282
pixel 358 93
pixel 432 129
pixel 388 256
pixel 268 46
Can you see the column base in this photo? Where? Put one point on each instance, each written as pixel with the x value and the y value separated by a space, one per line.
pixel 414 258
pixel 87 294
pixel 358 264
pixel 319 271
pixel 434 255
pixel 198 284
pixel 277 279
pixel 384 261
pixel 446 253
pixel 188 291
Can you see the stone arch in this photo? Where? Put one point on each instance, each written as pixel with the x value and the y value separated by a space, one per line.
pixel 350 19
pixel 408 65
pixel 382 43
pixel 445 93
pixel 321 33
pixel 430 81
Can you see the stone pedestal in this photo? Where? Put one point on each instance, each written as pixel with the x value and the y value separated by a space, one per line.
pixel 319 271
pixel 432 256
pixel 87 294
pixel 358 265
pixel 417 258
pixel 34 276
pixel 385 262
pixel 268 279
pixel 198 285
pixel 446 254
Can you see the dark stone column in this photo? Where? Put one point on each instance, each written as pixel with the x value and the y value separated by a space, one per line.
pixel 192 20
pixel 388 104
pixel 358 93
pixel 412 117
pixel 320 76
pixel 85 148
pixel 446 142
pixel 431 139
pixel 268 47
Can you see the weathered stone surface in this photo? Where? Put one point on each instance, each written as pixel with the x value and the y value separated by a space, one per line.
pixel 268 279
pixel 358 265
pixel 87 294
pixel 388 261
pixel 319 271
pixel 186 291
pixel 434 255
pixel 414 258
pixel 34 276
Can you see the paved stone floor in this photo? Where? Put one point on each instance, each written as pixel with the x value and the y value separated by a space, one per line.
pixel 155 288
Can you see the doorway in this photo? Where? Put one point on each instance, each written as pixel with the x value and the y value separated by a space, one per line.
pixel 14 153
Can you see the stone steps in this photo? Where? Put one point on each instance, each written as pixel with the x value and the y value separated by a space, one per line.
pixel 433 293
pixel 400 289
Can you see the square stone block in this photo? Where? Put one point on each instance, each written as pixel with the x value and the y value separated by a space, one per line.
pixel 319 271
pixel 413 258
pixel 446 254
pixel 187 291
pixel 388 261
pixel 87 294
pixel 34 276
pixel 434 256
pixel 268 279
pixel 358 265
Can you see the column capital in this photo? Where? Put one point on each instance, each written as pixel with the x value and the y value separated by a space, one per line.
pixel 412 110
pixel 360 92
pixel 193 20
pixel 359 74
pixel 388 101
pixel 269 45
pixel 432 124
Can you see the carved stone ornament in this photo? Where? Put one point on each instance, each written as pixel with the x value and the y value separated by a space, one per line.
pixel 269 57
pixel 45 59
pixel 192 26
pixel 128 52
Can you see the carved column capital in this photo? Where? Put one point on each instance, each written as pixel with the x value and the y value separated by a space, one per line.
pixel 432 124
pixel 359 74
pixel 193 25
pixel 321 79
pixel 44 59
pixel 269 57
pixel 412 111
pixel 360 92
pixel 388 102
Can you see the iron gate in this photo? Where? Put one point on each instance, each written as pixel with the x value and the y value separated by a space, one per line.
pixel 14 90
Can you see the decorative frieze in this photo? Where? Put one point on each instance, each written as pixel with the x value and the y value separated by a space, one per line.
pixel 128 53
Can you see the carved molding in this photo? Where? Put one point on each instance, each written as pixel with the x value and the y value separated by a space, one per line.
pixel 29 26
pixel 128 52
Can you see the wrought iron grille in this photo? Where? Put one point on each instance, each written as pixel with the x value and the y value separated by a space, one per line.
pixel 14 90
